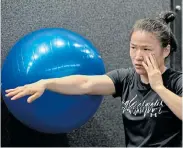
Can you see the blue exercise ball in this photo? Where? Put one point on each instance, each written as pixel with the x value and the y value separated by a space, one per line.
pixel 52 53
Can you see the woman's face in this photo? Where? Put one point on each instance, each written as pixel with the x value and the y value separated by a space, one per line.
pixel 143 44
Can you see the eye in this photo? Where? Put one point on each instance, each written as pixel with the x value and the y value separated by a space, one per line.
pixel 146 49
pixel 132 47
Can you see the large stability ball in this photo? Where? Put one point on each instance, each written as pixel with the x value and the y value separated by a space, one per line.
pixel 51 53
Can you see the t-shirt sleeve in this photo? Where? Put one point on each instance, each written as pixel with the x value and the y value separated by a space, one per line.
pixel 119 78
pixel 178 86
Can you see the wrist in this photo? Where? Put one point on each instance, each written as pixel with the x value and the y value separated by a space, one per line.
pixel 159 88
pixel 45 83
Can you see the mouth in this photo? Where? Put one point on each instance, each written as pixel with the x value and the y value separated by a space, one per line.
pixel 138 66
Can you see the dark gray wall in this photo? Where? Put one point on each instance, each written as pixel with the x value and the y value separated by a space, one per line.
pixel 176 26
pixel 106 23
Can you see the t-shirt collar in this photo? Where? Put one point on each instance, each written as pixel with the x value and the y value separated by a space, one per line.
pixel 143 86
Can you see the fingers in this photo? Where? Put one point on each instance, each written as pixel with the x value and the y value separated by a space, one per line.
pixel 33 97
pixel 10 90
pixel 148 62
pixel 25 90
pixel 12 93
pixel 155 61
pixel 145 66
pixel 151 61
pixel 19 95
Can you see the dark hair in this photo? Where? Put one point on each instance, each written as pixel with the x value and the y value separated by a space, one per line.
pixel 159 27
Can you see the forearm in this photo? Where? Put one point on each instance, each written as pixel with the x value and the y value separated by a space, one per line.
pixel 70 85
pixel 173 101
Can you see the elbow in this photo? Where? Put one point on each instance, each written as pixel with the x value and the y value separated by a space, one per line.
pixel 84 87
pixel 87 88
pixel 180 116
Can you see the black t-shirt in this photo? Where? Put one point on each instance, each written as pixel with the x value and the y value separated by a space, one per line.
pixel 147 119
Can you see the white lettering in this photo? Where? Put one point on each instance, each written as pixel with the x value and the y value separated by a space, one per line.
pixel 135 107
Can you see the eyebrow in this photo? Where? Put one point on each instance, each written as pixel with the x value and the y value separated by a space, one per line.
pixel 141 45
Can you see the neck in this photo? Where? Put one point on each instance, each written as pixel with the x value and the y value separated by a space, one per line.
pixel 144 78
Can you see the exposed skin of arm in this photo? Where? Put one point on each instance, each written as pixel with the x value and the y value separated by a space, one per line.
pixel 70 85
pixel 172 100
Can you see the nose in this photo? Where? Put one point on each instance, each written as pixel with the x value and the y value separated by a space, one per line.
pixel 139 55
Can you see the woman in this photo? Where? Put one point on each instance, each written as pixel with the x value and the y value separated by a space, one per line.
pixel 150 92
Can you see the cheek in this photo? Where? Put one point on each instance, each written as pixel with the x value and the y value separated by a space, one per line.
pixel 131 54
pixel 145 54
pixel 159 59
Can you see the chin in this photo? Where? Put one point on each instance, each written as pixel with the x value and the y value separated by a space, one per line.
pixel 141 71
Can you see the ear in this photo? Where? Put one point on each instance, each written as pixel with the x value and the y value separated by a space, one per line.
pixel 166 51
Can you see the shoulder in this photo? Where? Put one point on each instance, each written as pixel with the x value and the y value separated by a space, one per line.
pixel 121 73
pixel 174 80
pixel 175 76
